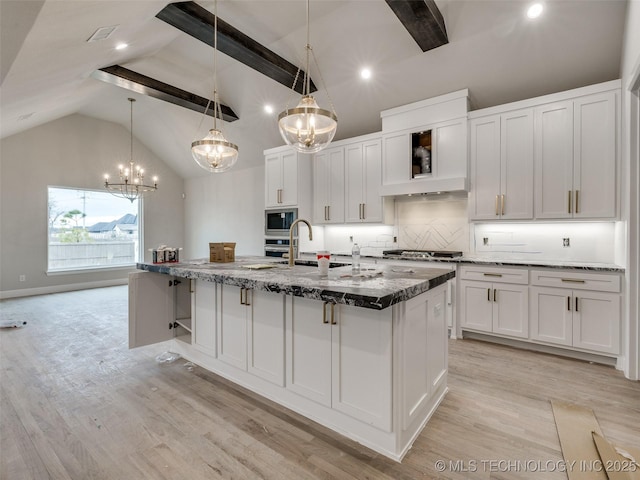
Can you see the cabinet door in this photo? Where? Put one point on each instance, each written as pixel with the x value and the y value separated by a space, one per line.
pixel 516 165
pixel 361 361
pixel 354 183
pixel 273 180
pixel 511 310
pixel 289 195
pixel 372 209
pixel 328 180
pixel 554 160
pixel 151 308
pixel 204 317
pixel 476 310
pixel 396 158
pixel 308 350
pixel 232 326
pixel 437 350
pixel 594 174
pixel 596 321
pixel 266 335
pixel 485 168
pixel 551 317
pixel 450 149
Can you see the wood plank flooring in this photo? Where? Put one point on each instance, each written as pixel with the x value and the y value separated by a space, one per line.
pixel 76 403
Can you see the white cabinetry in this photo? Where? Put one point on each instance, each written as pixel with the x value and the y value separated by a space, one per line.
pixel 159 308
pixel 363 177
pixel 287 179
pixel 340 356
pixel 576 158
pixel 501 157
pixel 494 300
pixel 328 186
pixel 251 331
pixel 204 317
pixel 401 169
pixel 585 314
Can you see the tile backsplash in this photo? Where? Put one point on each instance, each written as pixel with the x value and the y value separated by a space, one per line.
pixel 433 222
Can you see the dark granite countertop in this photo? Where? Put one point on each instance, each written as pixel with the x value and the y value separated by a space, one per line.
pixel 377 287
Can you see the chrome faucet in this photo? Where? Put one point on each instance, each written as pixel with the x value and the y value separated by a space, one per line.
pixel 291 255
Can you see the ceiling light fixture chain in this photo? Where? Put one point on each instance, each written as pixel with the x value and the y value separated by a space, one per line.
pixel 214 153
pixel 131 184
pixel 307 127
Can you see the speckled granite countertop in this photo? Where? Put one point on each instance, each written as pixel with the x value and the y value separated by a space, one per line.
pixel 603 267
pixel 378 287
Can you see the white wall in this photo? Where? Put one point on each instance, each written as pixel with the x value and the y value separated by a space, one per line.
pixel 75 151
pixel 225 207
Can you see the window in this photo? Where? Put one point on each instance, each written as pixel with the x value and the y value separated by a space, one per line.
pixel 91 229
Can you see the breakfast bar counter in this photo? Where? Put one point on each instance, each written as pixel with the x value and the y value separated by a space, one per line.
pixel 363 353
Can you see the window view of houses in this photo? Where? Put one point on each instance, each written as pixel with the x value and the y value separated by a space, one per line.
pixel 91 229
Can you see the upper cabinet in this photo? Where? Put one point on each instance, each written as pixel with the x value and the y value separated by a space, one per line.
pixel 501 157
pixel 328 186
pixel 552 157
pixel 363 171
pixel 424 146
pixel 576 158
pixel 287 179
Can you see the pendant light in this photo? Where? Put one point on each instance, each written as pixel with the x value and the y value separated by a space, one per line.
pixel 131 184
pixel 214 153
pixel 307 127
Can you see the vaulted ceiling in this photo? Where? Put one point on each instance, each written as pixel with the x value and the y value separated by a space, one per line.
pixel 493 50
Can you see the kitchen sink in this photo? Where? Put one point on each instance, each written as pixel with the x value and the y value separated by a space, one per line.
pixel 314 263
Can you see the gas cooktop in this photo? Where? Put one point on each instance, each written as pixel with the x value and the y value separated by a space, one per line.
pixel 422 253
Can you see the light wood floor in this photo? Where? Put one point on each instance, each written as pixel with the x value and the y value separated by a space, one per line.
pixel 77 404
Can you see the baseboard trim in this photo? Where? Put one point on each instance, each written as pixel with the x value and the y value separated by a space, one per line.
pixel 29 292
pixel 537 347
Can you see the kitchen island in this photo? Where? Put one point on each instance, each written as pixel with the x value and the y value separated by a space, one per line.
pixel 365 354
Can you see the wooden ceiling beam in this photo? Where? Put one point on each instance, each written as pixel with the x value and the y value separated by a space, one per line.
pixel 197 21
pixel 423 21
pixel 136 82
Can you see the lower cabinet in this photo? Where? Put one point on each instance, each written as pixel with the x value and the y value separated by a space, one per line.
pixel 495 307
pixel 576 318
pixel 340 356
pixel 250 331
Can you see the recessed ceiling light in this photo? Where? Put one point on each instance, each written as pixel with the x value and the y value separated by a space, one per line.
pixel 535 10
pixel 121 46
pixel 365 73
pixel 268 109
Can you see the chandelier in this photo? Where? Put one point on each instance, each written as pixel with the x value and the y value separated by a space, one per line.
pixel 307 127
pixel 131 185
pixel 214 153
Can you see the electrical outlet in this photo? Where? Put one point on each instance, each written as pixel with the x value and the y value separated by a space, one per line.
pixel 23 278
pixel 351 238
pixel 485 241
pixel 395 239
pixel 566 242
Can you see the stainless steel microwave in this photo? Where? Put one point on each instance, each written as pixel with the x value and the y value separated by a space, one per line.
pixel 277 222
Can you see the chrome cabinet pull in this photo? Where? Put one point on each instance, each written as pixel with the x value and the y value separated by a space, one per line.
pixel 569 197
pixel 324 313
pixel 333 318
pixel 502 203
pixel 577 200
pixel 572 280
pixel 568 304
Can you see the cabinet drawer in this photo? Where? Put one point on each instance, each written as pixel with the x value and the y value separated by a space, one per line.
pixel 494 274
pixel 600 282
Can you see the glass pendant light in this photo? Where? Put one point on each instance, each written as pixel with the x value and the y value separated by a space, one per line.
pixel 214 153
pixel 307 127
